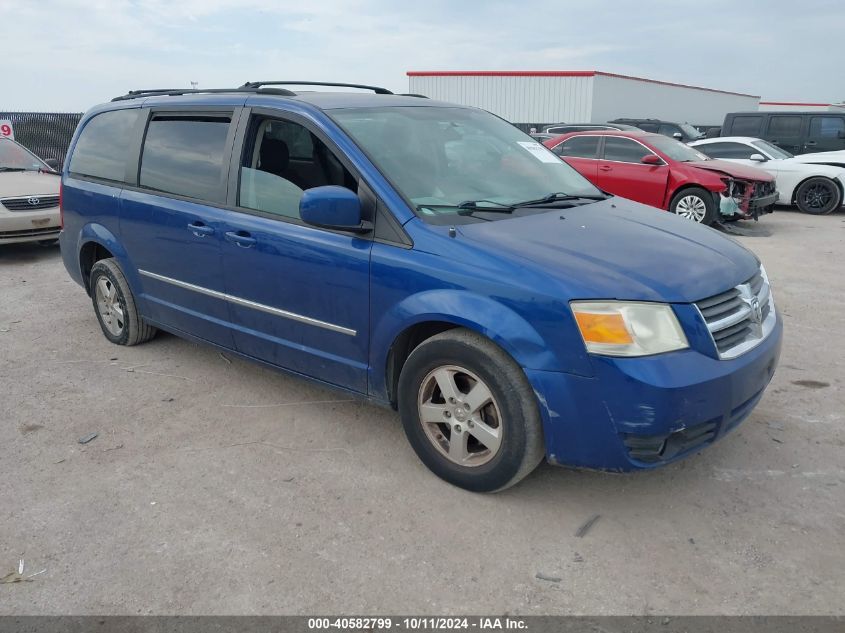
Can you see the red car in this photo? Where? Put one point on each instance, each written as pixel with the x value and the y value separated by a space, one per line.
pixel 662 172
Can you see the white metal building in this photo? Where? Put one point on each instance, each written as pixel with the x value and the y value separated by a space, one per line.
pixel 795 106
pixel 578 96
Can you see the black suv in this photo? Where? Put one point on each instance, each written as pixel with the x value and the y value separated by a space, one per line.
pixel 796 132
pixel 684 132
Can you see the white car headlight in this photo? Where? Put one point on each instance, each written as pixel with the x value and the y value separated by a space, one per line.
pixel 628 328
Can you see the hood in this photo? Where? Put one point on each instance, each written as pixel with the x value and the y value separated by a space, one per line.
pixel 822 158
pixel 14 184
pixel 618 249
pixel 732 169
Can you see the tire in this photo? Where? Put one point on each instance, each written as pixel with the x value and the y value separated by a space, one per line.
pixel 502 440
pixel 115 306
pixel 694 204
pixel 818 196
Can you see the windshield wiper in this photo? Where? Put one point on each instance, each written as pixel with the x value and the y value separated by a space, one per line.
pixel 469 207
pixel 12 168
pixel 491 206
pixel 556 197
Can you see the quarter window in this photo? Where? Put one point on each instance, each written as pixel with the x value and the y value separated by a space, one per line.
pixel 103 145
pixel 827 127
pixel 579 147
pixel 785 126
pixel 747 125
pixel 185 155
pixel 623 150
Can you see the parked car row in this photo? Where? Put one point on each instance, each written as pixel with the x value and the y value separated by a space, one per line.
pixel 812 181
pixel 665 173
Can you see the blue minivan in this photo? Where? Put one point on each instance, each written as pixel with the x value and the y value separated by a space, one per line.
pixel 426 256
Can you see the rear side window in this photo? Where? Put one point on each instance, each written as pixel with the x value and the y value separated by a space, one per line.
pixel 623 150
pixel 727 150
pixel 185 155
pixel 827 127
pixel 103 145
pixel 785 125
pixel 746 125
pixel 579 147
pixel 648 127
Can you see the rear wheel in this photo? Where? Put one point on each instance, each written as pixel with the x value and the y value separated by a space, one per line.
pixel 818 196
pixel 694 204
pixel 469 412
pixel 115 305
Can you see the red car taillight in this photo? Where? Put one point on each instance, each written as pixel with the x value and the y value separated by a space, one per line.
pixel 61 209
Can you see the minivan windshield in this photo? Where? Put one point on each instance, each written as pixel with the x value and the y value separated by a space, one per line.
pixel 13 157
pixel 453 163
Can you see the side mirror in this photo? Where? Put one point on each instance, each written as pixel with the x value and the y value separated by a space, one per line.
pixel 678 135
pixel 651 159
pixel 52 163
pixel 758 158
pixel 333 207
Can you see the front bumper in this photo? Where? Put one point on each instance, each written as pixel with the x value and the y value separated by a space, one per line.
pixel 763 204
pixel 638 413
pixel 29 226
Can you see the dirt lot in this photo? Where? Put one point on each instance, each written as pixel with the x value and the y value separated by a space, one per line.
pixel 216 486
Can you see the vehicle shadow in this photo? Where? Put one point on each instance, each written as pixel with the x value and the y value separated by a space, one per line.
pixel 28 252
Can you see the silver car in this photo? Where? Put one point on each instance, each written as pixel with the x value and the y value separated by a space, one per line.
pixel 29 196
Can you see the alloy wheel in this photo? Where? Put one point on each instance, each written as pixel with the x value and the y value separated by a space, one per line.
pixel 691 208
pixel 109 306
pixel 460 415
pixel 817 196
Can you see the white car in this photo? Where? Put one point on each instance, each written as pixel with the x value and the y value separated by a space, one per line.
pixel 29 196
pixel 815 188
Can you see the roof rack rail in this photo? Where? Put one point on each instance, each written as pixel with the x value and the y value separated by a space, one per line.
pixel 258 84
pixel 175 92
pixel 413 94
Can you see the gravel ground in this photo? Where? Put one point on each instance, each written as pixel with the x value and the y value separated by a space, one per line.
pixel 218 487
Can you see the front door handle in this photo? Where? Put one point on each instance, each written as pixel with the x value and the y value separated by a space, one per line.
pixel 811 143
pixel 605 167
pixel 240 238
pixel 200 229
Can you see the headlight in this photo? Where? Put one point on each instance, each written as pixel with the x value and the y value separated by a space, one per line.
pixel 628 328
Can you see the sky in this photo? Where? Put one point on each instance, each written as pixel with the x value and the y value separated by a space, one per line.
pixel 67 55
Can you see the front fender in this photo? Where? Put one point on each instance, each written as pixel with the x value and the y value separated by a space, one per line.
pixel 463 308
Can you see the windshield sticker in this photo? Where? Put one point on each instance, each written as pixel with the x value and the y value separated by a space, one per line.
pixel 539 152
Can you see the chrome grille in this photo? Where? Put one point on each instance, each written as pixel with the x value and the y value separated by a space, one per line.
pixel 30 203
pixel 739 319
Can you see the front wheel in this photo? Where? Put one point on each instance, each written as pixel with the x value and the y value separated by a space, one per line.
pixel 694 204
pixel 818 196
pixel 469 412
